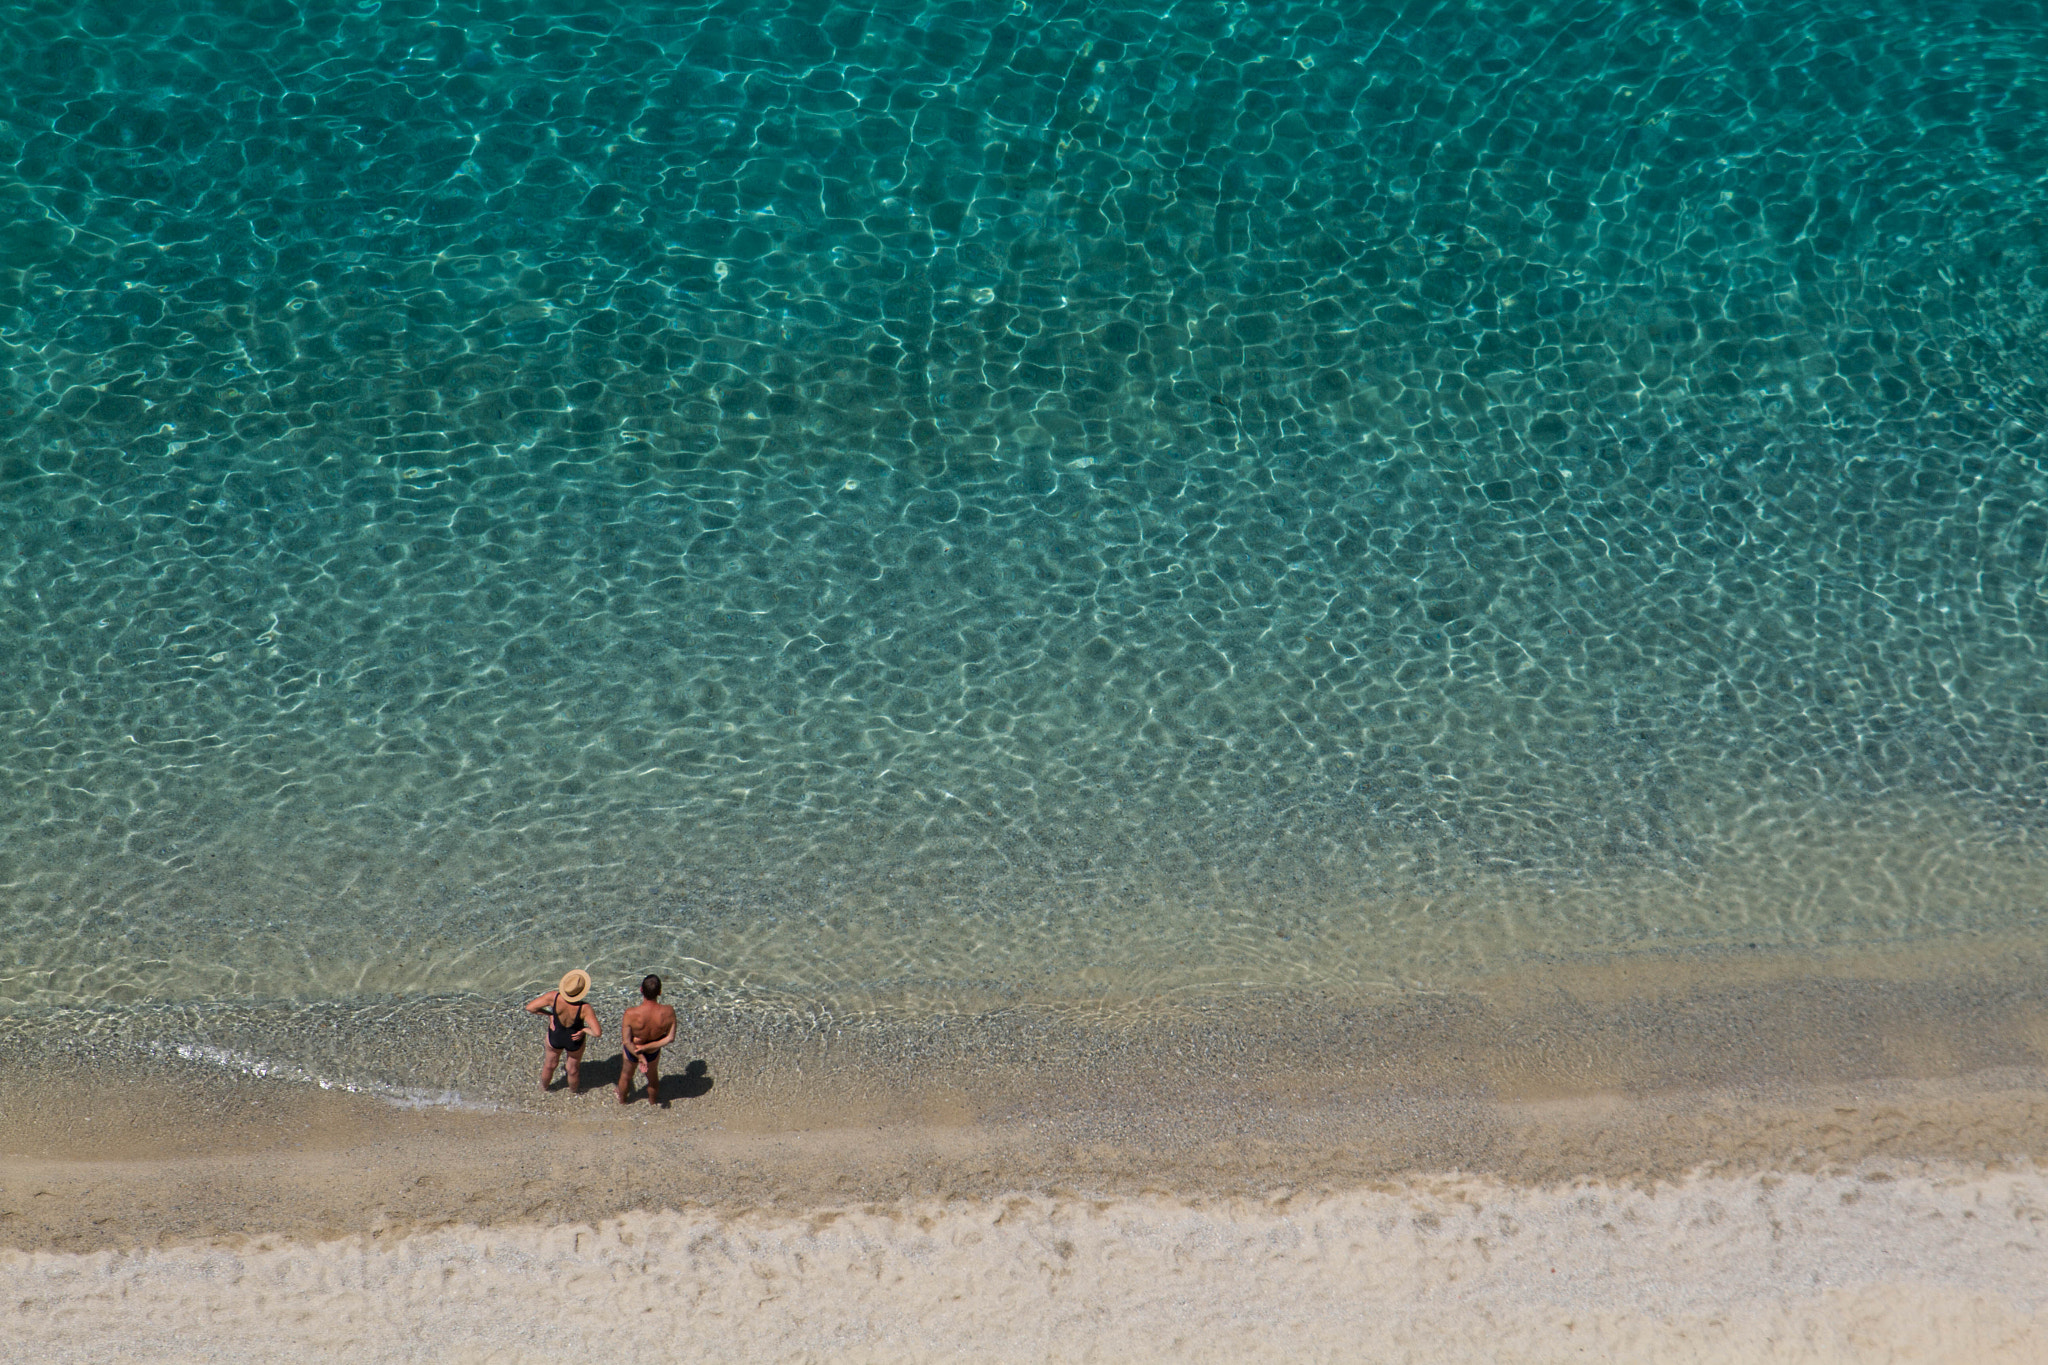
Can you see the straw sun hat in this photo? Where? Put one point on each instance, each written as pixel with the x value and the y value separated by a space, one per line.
pixel 575 985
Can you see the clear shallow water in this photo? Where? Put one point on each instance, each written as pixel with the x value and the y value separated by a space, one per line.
pixel 935 505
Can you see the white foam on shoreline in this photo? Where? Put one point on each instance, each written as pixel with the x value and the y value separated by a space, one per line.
pixel 1793 1268
pixel 249 1064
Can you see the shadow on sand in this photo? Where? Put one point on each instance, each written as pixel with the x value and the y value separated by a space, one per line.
pixel 694 1083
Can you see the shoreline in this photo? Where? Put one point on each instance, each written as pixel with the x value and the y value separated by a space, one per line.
pixel 1635 1070
pixel 1643 1160
pixel 350 1171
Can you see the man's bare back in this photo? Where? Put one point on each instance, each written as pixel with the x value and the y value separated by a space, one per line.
pixel 647 1028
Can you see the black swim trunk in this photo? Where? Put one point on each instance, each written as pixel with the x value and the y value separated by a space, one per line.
pixel 651 1055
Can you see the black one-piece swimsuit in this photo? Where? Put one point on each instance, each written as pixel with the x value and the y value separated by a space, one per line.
pixel 562 1038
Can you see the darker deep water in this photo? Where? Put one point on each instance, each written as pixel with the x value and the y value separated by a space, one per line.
pixel 925 493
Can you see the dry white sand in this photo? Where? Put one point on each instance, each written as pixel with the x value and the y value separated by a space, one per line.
pixel 1863 1266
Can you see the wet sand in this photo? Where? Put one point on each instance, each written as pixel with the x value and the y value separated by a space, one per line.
pixel 1664 1158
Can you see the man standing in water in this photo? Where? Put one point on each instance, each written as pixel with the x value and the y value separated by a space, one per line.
pixel 647 1028
pixel 571 1024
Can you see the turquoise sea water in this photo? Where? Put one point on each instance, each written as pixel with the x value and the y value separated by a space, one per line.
pixel 911 507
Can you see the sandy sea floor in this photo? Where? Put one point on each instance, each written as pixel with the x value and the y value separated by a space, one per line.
pixel 1666 1159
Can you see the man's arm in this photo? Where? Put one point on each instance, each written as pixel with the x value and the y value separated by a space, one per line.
pixel 665 1038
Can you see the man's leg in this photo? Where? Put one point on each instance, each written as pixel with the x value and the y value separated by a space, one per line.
pixel 627 1061
pixel 654 1078
pixel 547 1068
pixel 576 1072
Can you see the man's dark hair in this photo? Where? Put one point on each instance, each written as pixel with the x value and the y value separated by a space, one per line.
pixel 651 987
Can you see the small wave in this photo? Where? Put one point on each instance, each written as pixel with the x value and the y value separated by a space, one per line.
pixel 248 1064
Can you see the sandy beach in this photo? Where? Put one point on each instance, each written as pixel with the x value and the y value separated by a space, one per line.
pixel 1837 1166
pixel 1933 1266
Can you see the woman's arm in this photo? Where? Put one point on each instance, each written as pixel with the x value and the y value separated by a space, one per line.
pixel 596 1029
pixel 539 1002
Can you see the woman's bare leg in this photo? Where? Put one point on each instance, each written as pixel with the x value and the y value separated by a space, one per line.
pixel 547 1068
pixel 576 1072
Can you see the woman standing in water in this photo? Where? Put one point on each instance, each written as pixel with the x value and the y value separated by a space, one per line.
pixel 571 1024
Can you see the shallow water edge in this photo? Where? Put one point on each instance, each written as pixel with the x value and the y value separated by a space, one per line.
pixel 1563 1025
pixel 1643 1070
